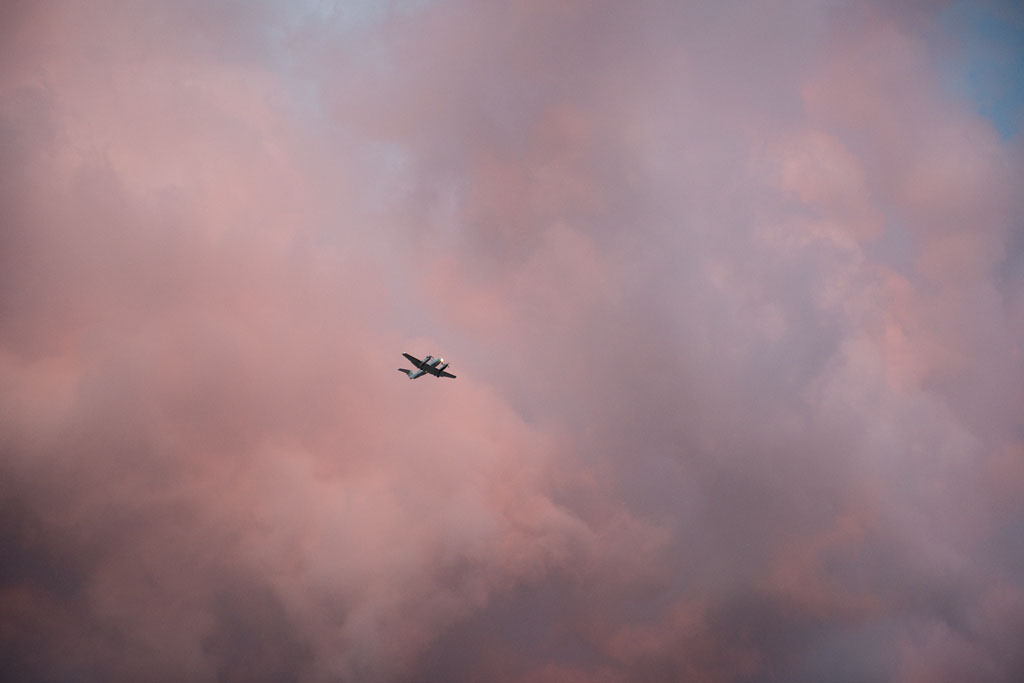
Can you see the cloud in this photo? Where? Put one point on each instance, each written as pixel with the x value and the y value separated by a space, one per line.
pixel 731 293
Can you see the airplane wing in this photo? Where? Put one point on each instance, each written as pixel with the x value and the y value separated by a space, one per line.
pixel 446 374
pixel 417 363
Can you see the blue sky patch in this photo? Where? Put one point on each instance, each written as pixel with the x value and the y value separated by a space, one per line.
pixel 989 58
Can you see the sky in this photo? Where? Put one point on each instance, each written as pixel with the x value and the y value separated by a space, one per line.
pixel 734 293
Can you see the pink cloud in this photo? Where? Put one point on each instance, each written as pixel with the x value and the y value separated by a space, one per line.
pixel 729 295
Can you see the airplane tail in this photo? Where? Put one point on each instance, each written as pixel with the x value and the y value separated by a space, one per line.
pixel 407 372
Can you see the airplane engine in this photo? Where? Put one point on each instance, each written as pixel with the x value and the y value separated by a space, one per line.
pixel 427 360
pixel 442 367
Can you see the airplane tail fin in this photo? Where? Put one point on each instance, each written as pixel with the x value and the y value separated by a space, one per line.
pixel 407 372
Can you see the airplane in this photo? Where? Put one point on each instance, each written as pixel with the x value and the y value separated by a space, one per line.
pixel 434 366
